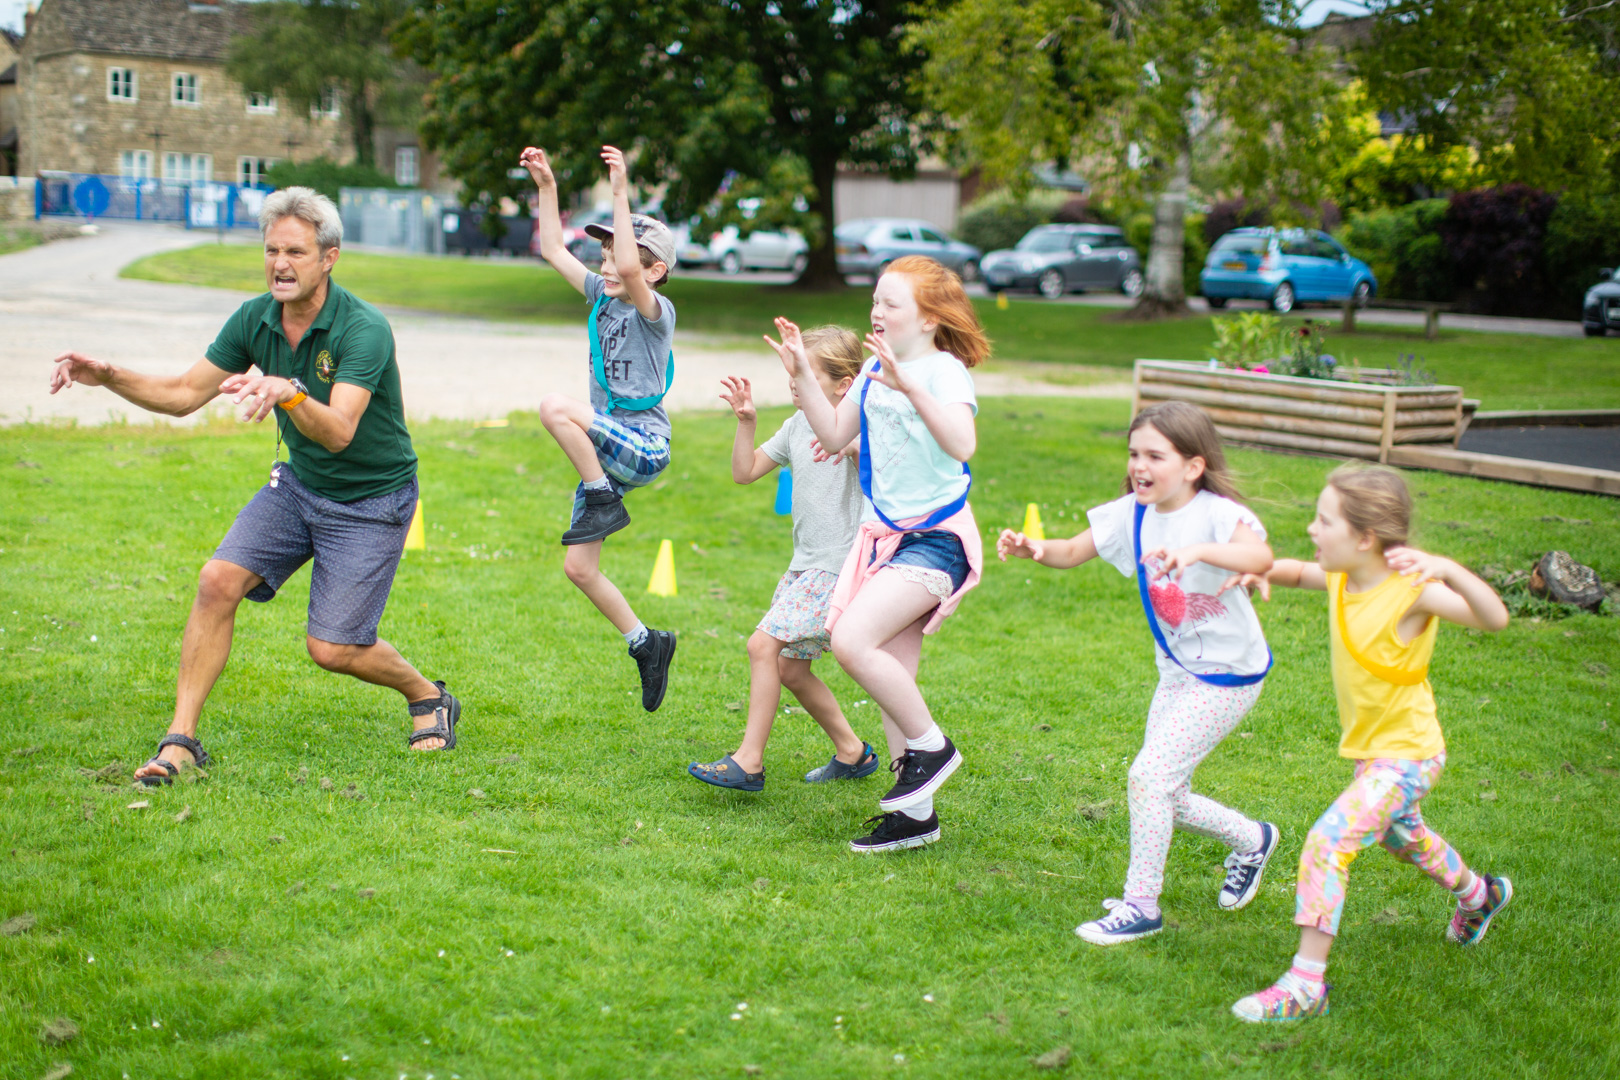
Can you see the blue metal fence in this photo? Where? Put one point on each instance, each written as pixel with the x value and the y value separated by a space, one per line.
pixel 196 205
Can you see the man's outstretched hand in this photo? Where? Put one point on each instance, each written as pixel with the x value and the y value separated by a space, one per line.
pixel 75 367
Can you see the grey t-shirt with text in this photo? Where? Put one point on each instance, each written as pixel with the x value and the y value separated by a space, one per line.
pixel 826 498
pixel 635 356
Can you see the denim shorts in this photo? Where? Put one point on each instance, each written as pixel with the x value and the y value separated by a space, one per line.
pixel 937 549
pixel 355 545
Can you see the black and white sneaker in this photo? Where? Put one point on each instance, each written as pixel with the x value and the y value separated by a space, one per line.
pixel 602 516
pixel 1243 872
pixel 896 832
pixel 652 657
pixel 918 774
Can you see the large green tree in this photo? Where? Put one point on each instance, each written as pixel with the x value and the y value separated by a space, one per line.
pixel 697 89
pixel 1146 96
pixel 303 50
pixel 1531 87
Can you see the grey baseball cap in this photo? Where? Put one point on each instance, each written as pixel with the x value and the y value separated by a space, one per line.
pixel 651 234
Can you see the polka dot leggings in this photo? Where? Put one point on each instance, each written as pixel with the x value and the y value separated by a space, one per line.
pixel 1187 719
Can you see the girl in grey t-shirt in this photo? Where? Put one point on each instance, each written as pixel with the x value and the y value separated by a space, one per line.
pixel 793 633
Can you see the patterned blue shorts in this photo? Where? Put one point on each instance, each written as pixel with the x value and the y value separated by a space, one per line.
pixel 355 545
pixel 631 458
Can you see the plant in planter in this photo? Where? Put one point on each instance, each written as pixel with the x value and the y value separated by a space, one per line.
pixel 1249 341
pixel 1306 358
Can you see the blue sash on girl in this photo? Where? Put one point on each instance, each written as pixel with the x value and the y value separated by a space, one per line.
pixel 1153 620
pixel 944 513
pixel 639 404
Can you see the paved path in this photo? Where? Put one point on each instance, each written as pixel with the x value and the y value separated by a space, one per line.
pixel 67 295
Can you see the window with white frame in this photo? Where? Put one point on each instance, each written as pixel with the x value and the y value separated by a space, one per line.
pixel 120 84
pixel 135 164
pixel 261 104
pixel 185 89
pixel 328 107
pixel 251 171
pixel 188 168
pixel 406 170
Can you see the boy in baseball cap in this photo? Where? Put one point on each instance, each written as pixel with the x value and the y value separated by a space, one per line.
pixel 620 440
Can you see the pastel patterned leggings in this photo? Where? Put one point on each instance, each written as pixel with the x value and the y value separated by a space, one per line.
pixel 1188 719
pixel 1380 805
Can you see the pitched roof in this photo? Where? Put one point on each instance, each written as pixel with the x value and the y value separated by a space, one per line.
pixel 167 29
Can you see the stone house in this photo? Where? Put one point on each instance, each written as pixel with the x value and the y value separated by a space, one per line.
pixel 137 88
pixel 8 102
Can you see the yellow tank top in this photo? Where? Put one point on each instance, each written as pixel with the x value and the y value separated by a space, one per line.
pixel 1386 705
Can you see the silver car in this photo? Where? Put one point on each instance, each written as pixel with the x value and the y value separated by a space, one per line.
pixel 1058 259
pixel 867 245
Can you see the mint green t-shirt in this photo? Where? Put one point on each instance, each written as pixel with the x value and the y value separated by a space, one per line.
pixel 349 342
pixel 911 475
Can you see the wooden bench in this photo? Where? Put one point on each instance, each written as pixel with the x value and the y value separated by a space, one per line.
pixel 1431 313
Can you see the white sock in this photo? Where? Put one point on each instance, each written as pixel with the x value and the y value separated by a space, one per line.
pixel 1310 967
pixel 634 638
pixel 599 484
pixel 1473 897
pixel 921 812
pixel 930 740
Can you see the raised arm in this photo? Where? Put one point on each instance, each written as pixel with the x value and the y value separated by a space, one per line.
pixel 1289 573
pixel 951 424
pixel 1245 553
pixel 1450 591
pixel 626 254
pixel 747 463
pixel 171 395
pixel 548 221
pixel 1058 554
pixel 834 426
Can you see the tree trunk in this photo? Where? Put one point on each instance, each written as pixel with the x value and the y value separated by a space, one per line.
pixel 363 124
pixel 1163 293
pixel 821 273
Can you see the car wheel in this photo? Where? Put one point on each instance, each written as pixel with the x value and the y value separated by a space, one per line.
pixel 1362 294
pixel 800 261
pixel 1051 285
pixel 1594 331
pixel 1216 302
pixel 969 272
pixel 1282 300
pixel 1131 284
pixel 731 263
pixel 994 290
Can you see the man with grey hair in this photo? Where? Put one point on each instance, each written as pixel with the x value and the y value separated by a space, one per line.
pixel 344 498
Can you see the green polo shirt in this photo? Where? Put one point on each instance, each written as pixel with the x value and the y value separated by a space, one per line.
pixel 349 342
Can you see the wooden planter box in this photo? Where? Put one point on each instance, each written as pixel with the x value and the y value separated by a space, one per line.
pixel 1346 419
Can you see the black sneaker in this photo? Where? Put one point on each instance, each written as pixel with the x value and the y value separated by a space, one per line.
pixel 918 774
pixel 896 832
pixel 603 515
pixel 652 657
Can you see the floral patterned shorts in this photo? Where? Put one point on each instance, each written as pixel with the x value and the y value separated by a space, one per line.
pixel 798 614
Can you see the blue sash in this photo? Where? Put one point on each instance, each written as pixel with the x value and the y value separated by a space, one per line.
pixel 944 513
pixel 1153 620
pixel 640 404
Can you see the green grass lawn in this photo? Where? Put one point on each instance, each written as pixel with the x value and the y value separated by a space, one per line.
pixel 18 238
pixel 1506 371
pixel 557 898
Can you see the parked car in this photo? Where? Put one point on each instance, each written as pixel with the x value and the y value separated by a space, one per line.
pixel 1284 267
pixel 1600 312
pixel 1058 259
pixel 464 232
pixel 867 245
pixel 580 244
pixel 762 249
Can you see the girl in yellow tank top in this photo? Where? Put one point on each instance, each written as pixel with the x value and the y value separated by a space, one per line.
pixel 1385 603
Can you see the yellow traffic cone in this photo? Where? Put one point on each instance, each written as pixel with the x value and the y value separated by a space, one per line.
pixel 1001 302
pixel 1032 523
pixel 663 575
pixel 416 538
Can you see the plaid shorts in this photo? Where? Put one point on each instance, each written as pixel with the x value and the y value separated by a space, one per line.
pixel 631 458
pixel 798 614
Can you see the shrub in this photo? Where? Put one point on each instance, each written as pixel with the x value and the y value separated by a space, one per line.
pixel 327 176
pixel 1404 249
pixel 1229 214
pixel 1000 219
pixel 1583 235
pixel 1497 238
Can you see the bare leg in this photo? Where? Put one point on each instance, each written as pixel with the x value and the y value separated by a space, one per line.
pixel 582 564
pixel 764 695
pixel 819 702
pixel 887 606
pixel 221 588
pixel 569 422
pixel 905 647
pixel 1314 944
pixel 381 665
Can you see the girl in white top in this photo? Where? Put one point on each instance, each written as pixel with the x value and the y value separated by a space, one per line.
pixel 1181 532
pixel 918 549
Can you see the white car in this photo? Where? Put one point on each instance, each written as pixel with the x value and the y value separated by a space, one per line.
pixel 762 249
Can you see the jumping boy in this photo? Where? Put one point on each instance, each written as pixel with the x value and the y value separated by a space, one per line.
pixel 621 439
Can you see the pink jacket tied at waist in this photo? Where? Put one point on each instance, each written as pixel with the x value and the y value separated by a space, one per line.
pixel 860 565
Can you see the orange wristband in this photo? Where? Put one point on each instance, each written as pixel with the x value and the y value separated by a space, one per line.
pixel 297 400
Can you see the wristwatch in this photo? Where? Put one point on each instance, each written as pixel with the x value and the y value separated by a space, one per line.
pixel 297 399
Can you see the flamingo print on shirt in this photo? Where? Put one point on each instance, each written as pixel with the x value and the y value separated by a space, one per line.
pixel 1176 607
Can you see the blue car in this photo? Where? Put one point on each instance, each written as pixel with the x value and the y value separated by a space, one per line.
pixel 1284 267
